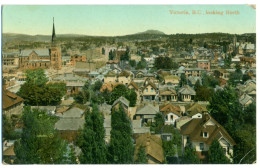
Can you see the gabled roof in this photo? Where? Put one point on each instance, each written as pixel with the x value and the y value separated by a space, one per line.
pixel 195 128
pixel 69 124
pixel 152 144
pixel 167 108
pixel 122 100
pixel 110 74
pixel 39 52
pixel 10 99
pixel 132 83
pixel 124 73
pixel 167 92
pixel 147 109
pixel 151 84
pixel 245 98
pixel 194 108
pixel 73 113
pixel 187 90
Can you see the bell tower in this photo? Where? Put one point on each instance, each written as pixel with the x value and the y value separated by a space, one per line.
pixel 55 51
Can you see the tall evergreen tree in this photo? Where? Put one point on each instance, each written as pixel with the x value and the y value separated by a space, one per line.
pixel 189 156
pixel 39 143
pixel 121 148
pixel 93 139
pixel 141 156
pixel 216 154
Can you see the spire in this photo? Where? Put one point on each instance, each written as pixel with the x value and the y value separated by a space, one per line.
pixel 53 37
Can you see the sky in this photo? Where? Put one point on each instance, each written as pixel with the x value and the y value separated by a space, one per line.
pixel 112 20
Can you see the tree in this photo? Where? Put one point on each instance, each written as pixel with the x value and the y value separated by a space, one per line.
pixel 236 77
pixel 203 93
pixel 209 81
pixel 39 143
pixel 97 85
pixel 93 139
pixel 126 55
pixel 36 77
pixel 121 149
pixel 122 90
pixel 132 63
pixel 163 63
pixel 8 128
pixel 189 156
pixel 141 156
pixel 183 80
pixel 216 154
pixel 158 124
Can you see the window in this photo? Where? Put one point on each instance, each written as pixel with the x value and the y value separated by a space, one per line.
pixel 171 117
pixel 224 150
pixel 205 135
pixel 146 89
pixel 151 89
pixel 166 118
pixel 201 146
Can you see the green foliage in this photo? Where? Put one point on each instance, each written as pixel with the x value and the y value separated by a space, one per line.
pixel 163 63
pixel 112 54
pixel 189 156
pixel 183 80
pixel 39 143
pixel 92 141
pixel 158 124
pixel 209 81
pixel 236 77
pixel 203 93
pixel 126 56
pixel 141 156
pixel 8 129
pixel 36 77
pixel 141 64
pixel 97 85
pixel 132 63
pixel 122 90
pixel 35 91
pixel 216 154
pixel 121 148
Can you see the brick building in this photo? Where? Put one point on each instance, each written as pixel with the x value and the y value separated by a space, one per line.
pixel 42 58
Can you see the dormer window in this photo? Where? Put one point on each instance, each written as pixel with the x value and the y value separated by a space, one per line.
pixel 205 135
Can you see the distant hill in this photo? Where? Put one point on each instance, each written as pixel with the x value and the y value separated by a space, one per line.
pixel 157 32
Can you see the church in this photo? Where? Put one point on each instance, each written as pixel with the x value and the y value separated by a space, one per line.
pixel 42 58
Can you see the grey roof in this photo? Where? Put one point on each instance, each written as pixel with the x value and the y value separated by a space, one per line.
pixel 107 121
pixel 78 84
pixel 187 90
pixel 105 108
pixel 245 98
pixel 48 109
pixel 142 130
pixel 73 113
pixel 122 100
pixel 136 124
pixel 69 124
pixel 70 77
pixel 39 52
pixel 193 79
pixel 147 109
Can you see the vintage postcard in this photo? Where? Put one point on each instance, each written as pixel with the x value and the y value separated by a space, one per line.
pixel 128 84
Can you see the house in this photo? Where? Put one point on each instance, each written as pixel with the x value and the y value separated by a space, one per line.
pixel 77 58
pixel 123 102
pixel 193 72
pixel 110 77
pixel 245 100
pixel 201 132
pixel 192 80
pixel 149 91
pixel 153 148
pixel 69 124
pixel 12 104
pixel 248 88
pixel 138 128
pixel 146 113
pixel 168 95
pixel 74 87
pixel 186 93
pixel 109 86
pixel 8 152
pixel 171 113
pixel 124 77
pixel 204 64
pixel 171 80
pixel 195 110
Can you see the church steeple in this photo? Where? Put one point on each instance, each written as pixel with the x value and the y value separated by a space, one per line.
pixel 53 37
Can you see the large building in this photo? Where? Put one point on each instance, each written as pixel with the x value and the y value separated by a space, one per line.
pixel 42 58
